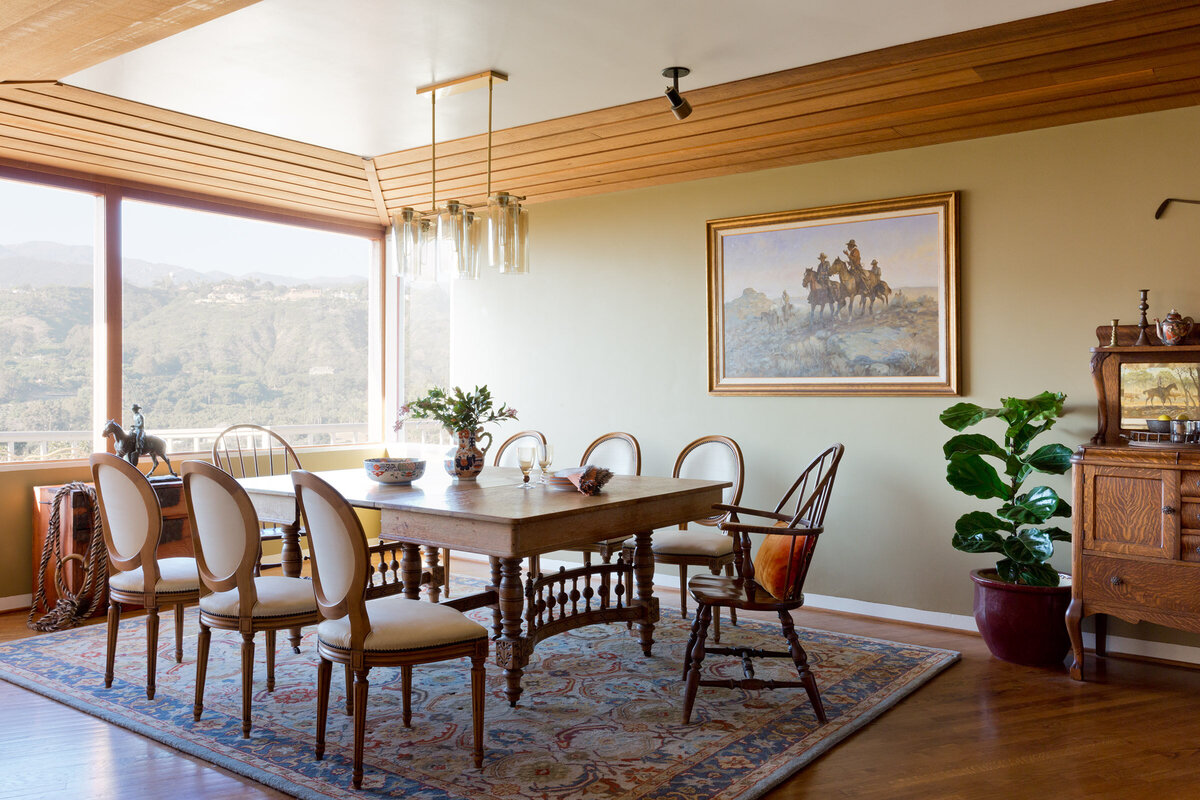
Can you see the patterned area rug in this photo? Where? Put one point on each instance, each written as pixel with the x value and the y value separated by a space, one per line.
pixel 597 719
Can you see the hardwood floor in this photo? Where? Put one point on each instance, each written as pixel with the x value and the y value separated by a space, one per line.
pixel 981 730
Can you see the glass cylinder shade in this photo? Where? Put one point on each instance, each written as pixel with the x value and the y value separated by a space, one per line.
pixel 457 239
pixel 408 233
pixel 508 234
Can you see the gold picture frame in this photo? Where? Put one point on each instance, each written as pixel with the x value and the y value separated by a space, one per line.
pixel 854 299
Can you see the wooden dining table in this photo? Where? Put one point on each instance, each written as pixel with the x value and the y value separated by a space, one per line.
pixel 494 516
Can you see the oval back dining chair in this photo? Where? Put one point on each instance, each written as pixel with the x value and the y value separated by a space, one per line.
pixel 696 543
pixel 620 453
pixel 132 522
pixel 506 453
pixel 226 536
pixel 772 582
pixel 382 632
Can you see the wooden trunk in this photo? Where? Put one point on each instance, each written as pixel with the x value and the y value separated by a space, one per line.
pixel 75 531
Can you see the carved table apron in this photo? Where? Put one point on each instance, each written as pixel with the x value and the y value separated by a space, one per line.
pixel 492 515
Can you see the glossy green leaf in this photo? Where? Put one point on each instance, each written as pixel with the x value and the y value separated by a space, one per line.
pixel 1029 546
pixel 970 474
pixel 1054 459
pixel 1037 575
pixel 967 443
pixel 964 415
pixel 1033 507
pixel 979 542
pixel 1057 534
pixel 980 522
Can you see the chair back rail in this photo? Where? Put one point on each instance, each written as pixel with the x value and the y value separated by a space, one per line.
pixel 508 448
pixel 339 557
pixel 617 451
pixel 713 458
pixel 225 530
pixel 131 514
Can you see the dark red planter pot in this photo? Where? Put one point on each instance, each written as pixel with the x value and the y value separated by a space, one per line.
pixel 1022 624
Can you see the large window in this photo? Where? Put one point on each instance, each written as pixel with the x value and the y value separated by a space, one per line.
pixel 229 320
pixel 46 309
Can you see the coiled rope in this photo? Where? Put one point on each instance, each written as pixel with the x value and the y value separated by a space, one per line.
pixel 66 612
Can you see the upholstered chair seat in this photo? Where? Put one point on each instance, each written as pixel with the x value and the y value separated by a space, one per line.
pixel 401 624
pixel 174 575
pixel 693 542
pixel 277 597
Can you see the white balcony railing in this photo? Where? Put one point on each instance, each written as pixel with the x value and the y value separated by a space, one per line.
pixel 57 445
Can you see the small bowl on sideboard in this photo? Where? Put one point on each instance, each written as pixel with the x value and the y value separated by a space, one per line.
pixel 1158 425
pixel 394 471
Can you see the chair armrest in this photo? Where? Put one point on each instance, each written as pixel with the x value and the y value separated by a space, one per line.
pixel 737 527
pixel 754 512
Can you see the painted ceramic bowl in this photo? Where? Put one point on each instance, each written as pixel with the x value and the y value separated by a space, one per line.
pixel 394 470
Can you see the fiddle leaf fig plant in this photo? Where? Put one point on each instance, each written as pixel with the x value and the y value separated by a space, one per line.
pixel 983 467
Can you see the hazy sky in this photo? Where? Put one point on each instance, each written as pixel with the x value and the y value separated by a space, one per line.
pixel 185 238
pixel 907 246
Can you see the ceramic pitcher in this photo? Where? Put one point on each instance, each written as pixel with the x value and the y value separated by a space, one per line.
pixel 1174 329
pixel 467 462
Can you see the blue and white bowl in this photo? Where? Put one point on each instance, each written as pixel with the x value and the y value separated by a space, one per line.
pixel 397 471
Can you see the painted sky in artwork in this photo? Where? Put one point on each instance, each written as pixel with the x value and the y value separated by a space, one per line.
pixel 907 246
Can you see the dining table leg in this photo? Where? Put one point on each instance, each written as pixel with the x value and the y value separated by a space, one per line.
pixel 291 561
pixel 410 570
pixel 643 572
pixel 495 587
pixel 512 649
pixel 431 566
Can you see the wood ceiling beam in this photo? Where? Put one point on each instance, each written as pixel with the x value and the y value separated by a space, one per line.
pixel 55 38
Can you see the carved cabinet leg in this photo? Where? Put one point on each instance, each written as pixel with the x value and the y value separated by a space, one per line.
pixel 1074 619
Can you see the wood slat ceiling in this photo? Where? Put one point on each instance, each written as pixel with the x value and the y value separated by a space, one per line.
pixel 48 39
pixel 1105 60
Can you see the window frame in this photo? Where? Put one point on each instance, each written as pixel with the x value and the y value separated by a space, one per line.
pixel 107 346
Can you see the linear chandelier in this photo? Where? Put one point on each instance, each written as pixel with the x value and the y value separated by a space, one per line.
pixel 449 240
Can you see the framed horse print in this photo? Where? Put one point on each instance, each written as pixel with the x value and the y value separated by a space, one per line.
pixel 856 299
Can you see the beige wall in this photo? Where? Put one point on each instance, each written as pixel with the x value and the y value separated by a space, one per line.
pixel 1058 234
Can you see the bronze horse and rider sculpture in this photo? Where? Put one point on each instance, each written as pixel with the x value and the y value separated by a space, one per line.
pixel 134 443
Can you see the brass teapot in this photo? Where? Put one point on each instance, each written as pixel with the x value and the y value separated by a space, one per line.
pixel 1174 329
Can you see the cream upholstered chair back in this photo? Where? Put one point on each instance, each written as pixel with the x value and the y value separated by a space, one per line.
pixel 714 458
pixel 224 528
pixel 131 514
pixel 506 454
pixel 339 553
pixel 619 452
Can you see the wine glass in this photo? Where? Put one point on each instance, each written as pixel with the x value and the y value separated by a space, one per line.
pixel 525 462
pixel 545 457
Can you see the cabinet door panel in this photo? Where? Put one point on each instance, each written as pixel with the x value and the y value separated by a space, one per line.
pixel 1125 510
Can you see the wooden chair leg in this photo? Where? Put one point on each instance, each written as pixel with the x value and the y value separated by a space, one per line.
pixel 691 642
pixel 801 660
pixel 406 690
pixel 114 622
pixel 683 591
pixel 270 636
pixel 732 610
pixel 294 635
pixel 349 690
pixel 446 571
pixel 179 633
pixel 247 680
pixel 151 650
pixel 324 674
pixel 360 723
pixel 703 615
pixel 201 669
pixel 716 570
pixel 477 697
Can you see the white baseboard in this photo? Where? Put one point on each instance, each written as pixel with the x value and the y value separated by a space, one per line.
pixel 1117 645
pixel 15 602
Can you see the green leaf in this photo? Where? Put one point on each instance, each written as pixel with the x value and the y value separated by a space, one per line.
pixel 967 443
pixel 1054 459
pixel 978 542
pixel 1032 508
pixel 1029 546
pixel 1007 569
pixel 1063 509
pixel 1037 575
pixel 970 474
pixel 1057 534
pixel 964 415
pixel 980 522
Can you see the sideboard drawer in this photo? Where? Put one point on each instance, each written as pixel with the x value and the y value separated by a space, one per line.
pixel 1171 587
pixel 1189 515
pixel 1189 547
pixel 1189 483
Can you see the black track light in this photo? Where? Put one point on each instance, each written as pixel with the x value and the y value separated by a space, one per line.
pixel 680 107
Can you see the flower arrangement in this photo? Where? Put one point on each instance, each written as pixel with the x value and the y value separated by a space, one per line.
pixel 456 410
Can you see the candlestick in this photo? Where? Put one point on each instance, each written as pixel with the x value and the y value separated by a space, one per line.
pixel 1143 339
pixel 1112 341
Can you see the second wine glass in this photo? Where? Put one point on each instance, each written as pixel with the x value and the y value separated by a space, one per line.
pixel 525 462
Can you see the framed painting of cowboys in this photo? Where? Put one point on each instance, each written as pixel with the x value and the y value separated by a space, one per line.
pixel 856 299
